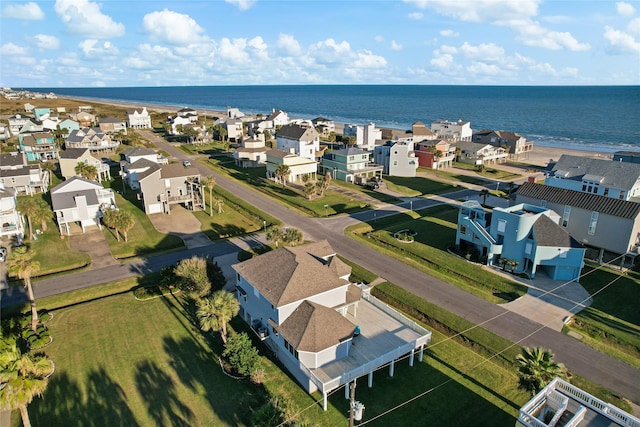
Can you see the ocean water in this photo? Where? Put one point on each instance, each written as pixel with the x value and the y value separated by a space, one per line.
pixel 599 118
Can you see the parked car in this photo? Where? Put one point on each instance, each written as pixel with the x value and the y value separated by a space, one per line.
pixel 3 254
pixel 372 185
pixel 186 164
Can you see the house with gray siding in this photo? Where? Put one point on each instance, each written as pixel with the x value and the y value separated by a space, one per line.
pixel 397 158
pixel 598 222
pixel 300 303
pixel 619 180
pixel 164 185
pixel 24 178
pixel 11 222
pixel 525 234
pixel 350 165
pixel 301 140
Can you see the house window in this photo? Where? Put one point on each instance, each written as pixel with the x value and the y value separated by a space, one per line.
pixel 395 163
pixel 238 277
pixel 606 192
pixel 291 349
pixel 565 215
pixel 622 194
pixel 502 225
pixel 463 229
pixel 593 223
pixel 543 203
pixel 528 248
pixel 584 187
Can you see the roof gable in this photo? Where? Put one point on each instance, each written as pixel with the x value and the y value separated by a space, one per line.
pixel 622 175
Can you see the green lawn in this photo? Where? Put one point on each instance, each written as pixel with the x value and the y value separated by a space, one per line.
pixel 417 186
pixel 611 324
pixel 436 231
pixel 451 174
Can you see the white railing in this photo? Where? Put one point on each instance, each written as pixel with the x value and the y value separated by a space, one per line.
pixel 530 420
pixel 483 231
pixel 577 418
pixel 397 316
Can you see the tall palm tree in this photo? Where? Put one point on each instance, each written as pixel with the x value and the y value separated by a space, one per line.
pixel 124 222
pixel 536 368
pixel 209 182
pixel 28 206
pixel 274 234
pixel 42 213
pixel 23 376
pixel 282 173
pixel 216 311
pixel 23 266
pixel 110 219
pixel 87 171
pixel 484 193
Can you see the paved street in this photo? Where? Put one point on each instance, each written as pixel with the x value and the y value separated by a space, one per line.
pixel 579 358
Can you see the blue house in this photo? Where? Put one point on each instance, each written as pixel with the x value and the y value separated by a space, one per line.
pixel 351 165
pixel 41 113
pixel 525 234
pixel 38 146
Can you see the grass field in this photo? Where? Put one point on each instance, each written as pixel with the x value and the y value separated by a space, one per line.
pixel 417 186
pixel 436 231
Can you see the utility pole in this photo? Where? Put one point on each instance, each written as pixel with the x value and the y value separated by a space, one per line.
pixel 352 402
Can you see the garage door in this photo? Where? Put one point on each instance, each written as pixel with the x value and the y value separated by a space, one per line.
pixel 155 208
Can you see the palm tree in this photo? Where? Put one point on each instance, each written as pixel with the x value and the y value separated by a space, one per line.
pixel 28 206
pixel 309 190
pixel 209 182
pixel 282 173
pixel 536 368
pixel 23 376
pixel 42 213
pixel 437 154
pixel 193 272
pixel 484 193
pixel 214 312
pixel 274 234
pixel 324 183
pixel 124 222
pixel 87 171
pixel 110 219
pixel 219 203
pixel 293 236
pixel 23 266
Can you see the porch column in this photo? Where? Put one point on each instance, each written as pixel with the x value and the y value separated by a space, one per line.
pixel 421 353
pixel 411 357
pixel 370 379
pixel 391 368
pixel 346 390
pixel 324 400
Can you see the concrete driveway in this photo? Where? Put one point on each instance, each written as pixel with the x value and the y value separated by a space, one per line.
pixel 94 244
pixel 182 223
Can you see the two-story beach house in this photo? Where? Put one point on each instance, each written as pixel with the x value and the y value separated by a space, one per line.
pixel 72 157
pixel 11 223
pixel 421 132
pixel 324 126
pixel 325 330
pixel 601 223
pixel 78 204
pixel 92 138
pixel 480 154
pixel 252 153
pixel 38 146
pixel 527 234
pixel 23 178
pixel 435 154
pixel 164 185
pixel 350 165
pixel 84 118
pixel 301 140
pixel 398 158
pixel 454 131
pixel 111 125
pixel 298 166
pixel 16 122
pixel 139 118
pixel 517 145
pixel 619 180
pixel 136 161
pixel 365 136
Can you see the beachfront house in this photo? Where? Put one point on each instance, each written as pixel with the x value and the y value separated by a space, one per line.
pixel 608 227
pixel 23 178
pixel 92 138
pixel 72 157
pixel 528 236
pixel 300 140
pixel 453 131
pixel 11 223
pixel 298 166
pixel 397 158
pixel 252 153
pixel 78 205
pixel 479 154
pixel 619 180
pixel 626 156
pixel 435 154
pixel 164 185
pixel 516 145
pixel 421 133
pixel 234 113
pixel 38 146
pixel 351 165
pixel 560 403
pixel 188 113
pixel 139 118
pixel 300 302
pixel 234 128
pixel 365 137
pixel 324 126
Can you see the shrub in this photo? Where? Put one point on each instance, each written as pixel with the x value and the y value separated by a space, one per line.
pixel 241 354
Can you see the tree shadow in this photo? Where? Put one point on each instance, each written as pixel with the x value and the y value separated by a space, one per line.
pixel 163 404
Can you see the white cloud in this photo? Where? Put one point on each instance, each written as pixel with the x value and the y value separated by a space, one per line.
pixel 621 42
pixel 242 4
pixel 259 48
pixel 289 44
pixel 233 51
pixel 634 26
pixel 395 45
pixel 516 15
pixel 46 42
pixel 484 51
pixel 328 51
pixel 84 18
pixel 172 27
pixel 625 9
pixel 12 49
pixel 443 61
pixel 367 59
pixel 416 16
pixel 93 48
pixel 446 49
pixel 379 38
pixel 30 11
pixel 481 68
pixel 449 33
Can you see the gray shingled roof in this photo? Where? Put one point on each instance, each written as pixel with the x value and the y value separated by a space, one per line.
pixel 138 151
pixel 297 132
pixel 548 233
pixel 593 202
pixel 177 170
pixel 110 120
pixel 351 151
pixel 622 175
pixel 8 160
pixel 73 153
pixel 293 274
pixel 313 327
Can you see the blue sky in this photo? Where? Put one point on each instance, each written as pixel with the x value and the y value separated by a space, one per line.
pixel 81 43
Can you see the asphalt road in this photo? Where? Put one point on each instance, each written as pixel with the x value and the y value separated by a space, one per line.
pixel 579 358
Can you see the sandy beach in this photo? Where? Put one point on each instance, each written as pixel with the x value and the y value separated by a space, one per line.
pixel 540 155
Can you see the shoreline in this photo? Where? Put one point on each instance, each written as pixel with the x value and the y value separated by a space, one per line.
pixel 540 154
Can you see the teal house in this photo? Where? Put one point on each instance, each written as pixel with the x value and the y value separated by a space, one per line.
pixel 41 113
pixel 528 236
pixel 38 146
pixel 350 165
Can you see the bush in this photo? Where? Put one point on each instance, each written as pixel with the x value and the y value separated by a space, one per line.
pixel 241 354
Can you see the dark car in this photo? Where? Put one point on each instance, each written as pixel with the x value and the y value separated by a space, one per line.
pixel 372 185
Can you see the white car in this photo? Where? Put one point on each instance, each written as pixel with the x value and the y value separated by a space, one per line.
pixel 3 254
pixel 186 163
